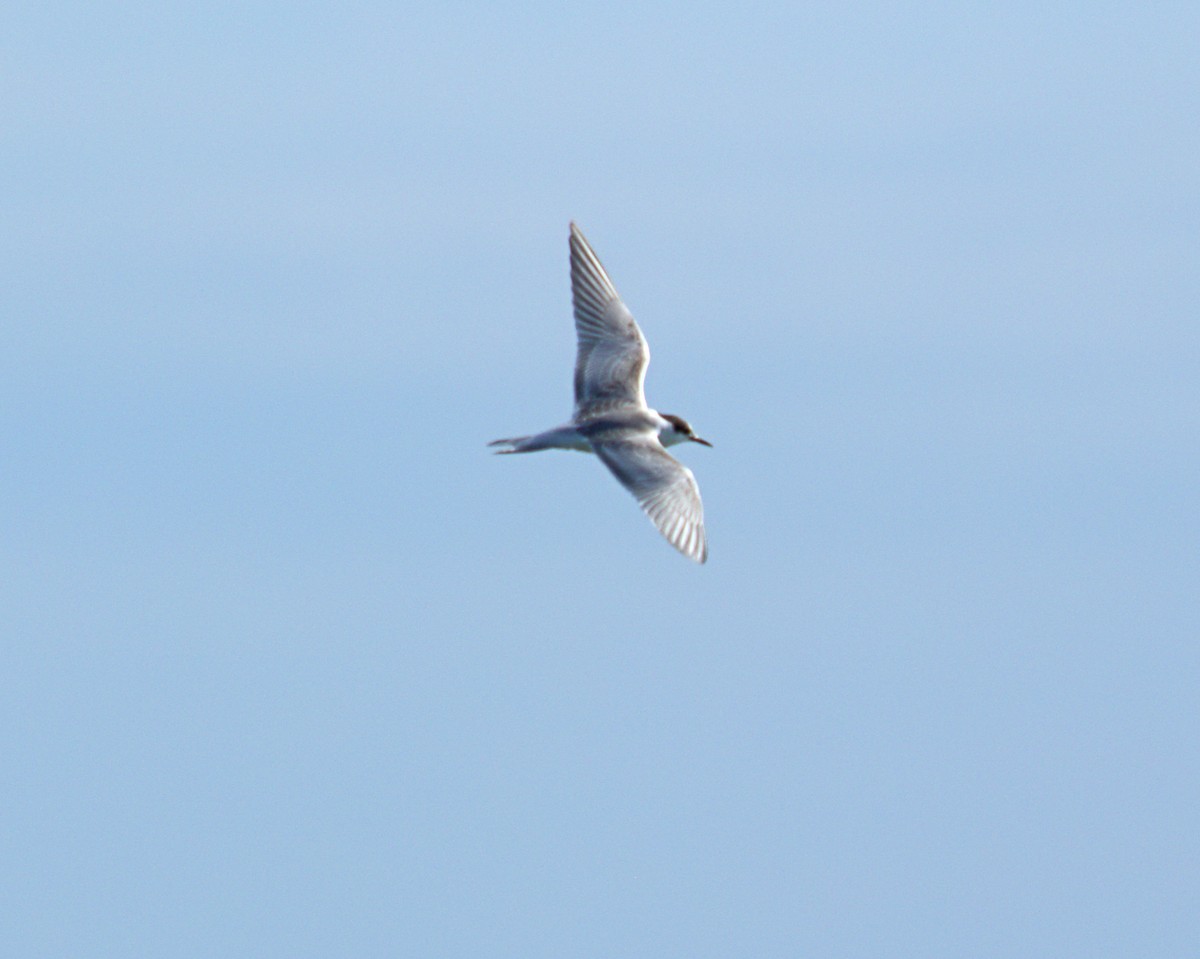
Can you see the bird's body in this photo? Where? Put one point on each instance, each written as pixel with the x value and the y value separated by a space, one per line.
pixel 611 416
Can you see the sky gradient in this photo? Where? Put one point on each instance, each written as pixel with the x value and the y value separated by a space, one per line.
pixel 294 667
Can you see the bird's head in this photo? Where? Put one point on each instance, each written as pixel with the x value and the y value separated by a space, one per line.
pixel 678 430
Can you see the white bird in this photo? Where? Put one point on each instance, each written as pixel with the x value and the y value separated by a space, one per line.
pixel 611 417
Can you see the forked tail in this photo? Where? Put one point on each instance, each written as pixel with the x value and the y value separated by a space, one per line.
pixel 565 437
pixel 517 444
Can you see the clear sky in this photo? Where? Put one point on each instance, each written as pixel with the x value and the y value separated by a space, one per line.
pixel 292 666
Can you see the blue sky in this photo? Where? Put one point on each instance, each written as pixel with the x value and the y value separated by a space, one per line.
pixel 294 667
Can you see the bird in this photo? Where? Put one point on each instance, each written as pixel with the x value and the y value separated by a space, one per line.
pixel 611 416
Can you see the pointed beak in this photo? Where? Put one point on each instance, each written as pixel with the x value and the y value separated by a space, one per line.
pixel 696 439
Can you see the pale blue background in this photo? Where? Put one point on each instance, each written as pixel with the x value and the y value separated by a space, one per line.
pixel 293 667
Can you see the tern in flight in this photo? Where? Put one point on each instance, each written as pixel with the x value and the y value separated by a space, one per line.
pixel 611 418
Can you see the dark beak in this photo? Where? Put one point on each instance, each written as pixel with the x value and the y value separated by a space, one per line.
pixel 696 439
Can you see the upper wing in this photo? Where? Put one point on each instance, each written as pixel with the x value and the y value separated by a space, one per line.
pixel 665 488
pixel 610 365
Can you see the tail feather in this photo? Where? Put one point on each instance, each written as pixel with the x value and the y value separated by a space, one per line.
pixel 560 438
pixel 515 443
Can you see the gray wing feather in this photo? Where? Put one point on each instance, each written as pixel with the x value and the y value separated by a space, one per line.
pixel 664 487
pixel 610 365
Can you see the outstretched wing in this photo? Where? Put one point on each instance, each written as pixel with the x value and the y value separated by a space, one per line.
pixel 664 487
pixel 610 365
